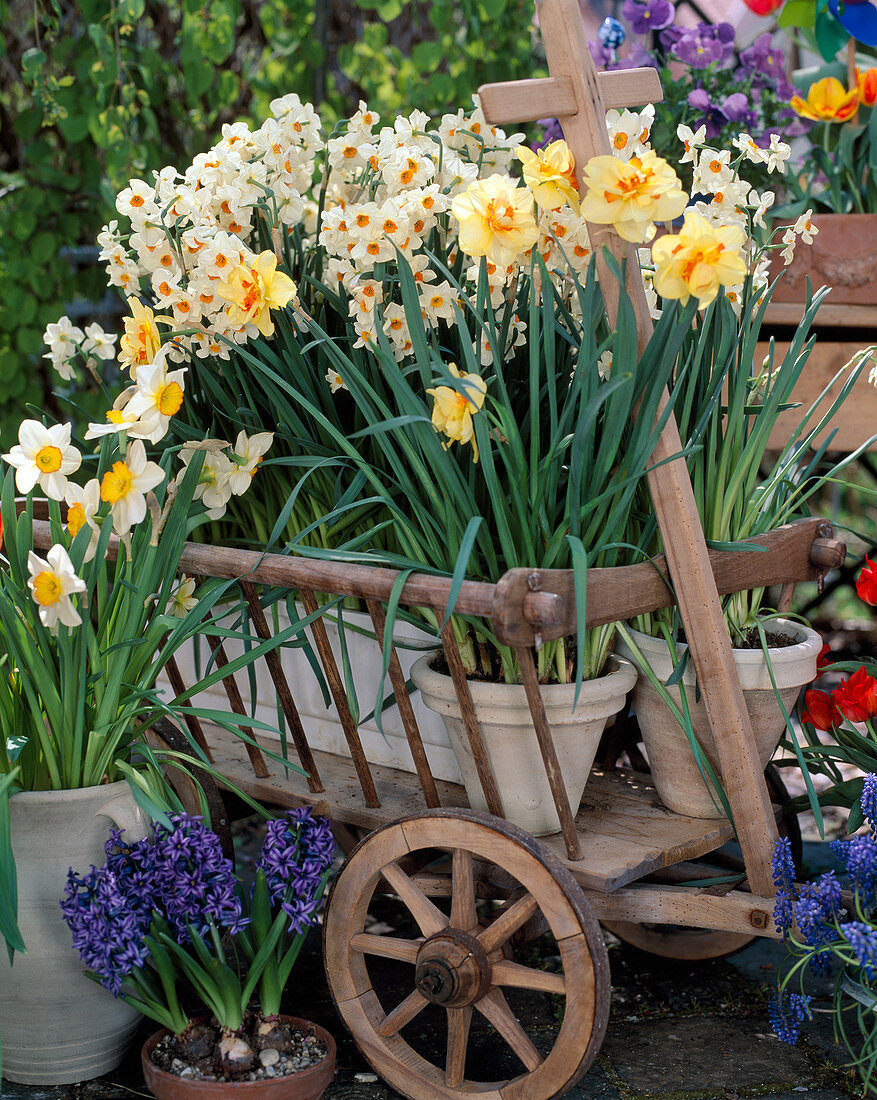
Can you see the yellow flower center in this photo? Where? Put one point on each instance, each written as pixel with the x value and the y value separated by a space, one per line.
pixel 500 215
pixel 631 185
pixel 169 398
pixel 116 416
pixel 620 140
pixel 708 255
pixel 75 519
pixel 116 483
pixel 47 589
pixel 48 459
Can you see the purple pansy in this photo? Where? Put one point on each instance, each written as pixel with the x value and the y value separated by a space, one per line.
pixel 762 60
pixel 705 45
pixel 716 115
pixel 653 15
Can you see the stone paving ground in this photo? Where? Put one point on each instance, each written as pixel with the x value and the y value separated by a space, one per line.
pixel 678 1031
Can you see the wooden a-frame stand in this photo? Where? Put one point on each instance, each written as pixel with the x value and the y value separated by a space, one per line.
pixel 578 97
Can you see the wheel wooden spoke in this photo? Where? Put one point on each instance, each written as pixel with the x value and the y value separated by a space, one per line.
pixel 458 1041
pixel 403 1013
pixel 429 917
pixel 463 913
pixel 525 977
pixel 505 925
pixel 495 1008
pixel 388 947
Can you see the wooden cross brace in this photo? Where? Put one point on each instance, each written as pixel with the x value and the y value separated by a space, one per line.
pixel 574 93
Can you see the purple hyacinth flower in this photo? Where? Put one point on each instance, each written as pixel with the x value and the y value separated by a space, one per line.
pixel 653 15
pixel 869 799
pixel 295 858
pixel 783 868
pixel 786 1013
pixel 859 857
pixel 863 940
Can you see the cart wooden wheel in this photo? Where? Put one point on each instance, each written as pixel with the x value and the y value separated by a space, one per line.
pixel 672 941
pixel 462 961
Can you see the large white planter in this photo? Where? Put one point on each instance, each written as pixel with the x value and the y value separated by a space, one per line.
pixel 510 739
pixel 321 723
pixel 673 767
pixel 56 1025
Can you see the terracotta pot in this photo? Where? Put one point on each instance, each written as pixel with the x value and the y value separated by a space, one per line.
pixel 510 739
pixel 307 1084
pixel 673 767
pixel 57 1026
pixel 841 256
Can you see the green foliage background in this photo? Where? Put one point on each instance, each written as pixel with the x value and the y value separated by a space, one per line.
pixel 94 92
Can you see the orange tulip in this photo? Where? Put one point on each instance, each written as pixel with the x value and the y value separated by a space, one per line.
pixel 827 101
pixel 867 87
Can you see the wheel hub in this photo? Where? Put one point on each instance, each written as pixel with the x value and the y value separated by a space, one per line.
pixel 452 969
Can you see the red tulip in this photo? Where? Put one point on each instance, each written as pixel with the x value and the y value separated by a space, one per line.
pixel 763 7
pixel 866 582
pixel 824 658
pixel 867 82
pixel 857 697
pixel 820 710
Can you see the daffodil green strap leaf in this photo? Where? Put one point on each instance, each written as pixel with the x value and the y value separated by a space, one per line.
pixel 461 565
pixel 387 641
pixel 749 547
pixel 580 587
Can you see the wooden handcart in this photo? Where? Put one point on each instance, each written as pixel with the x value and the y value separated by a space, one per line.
pixel 478 888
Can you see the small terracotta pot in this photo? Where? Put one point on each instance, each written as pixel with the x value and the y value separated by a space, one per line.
pixel 306 1084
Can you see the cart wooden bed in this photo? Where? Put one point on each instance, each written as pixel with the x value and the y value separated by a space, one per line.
pixel 476 886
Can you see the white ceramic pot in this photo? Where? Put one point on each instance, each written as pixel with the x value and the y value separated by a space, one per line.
pixel 321 723
pixel 56 1025
pixel 674 771
pixel 510 739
